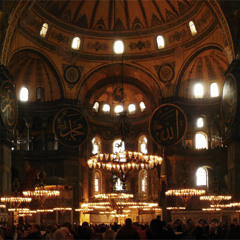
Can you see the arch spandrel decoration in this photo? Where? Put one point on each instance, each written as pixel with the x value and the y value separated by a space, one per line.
pixel 168 125
pixel 70 127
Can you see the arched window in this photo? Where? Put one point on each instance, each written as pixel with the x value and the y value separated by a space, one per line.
pixel 44 30
pixel 96 106
pixel 214 90
pixel 118 184
pixel 192 28
pixel 118 146
pixel 106 108
pixel 201 176
pixel 131 108
pixel 142 183
pixel 76 43
pixel 200 122
pixel 160 42
pixel 118 47
pixel 40 94
pixel 97 182
pixel 198 90
pixel 201 140
pixel 142 106
pixel 142 144
pixel 96 145
pixel 118 109
pixel 24 94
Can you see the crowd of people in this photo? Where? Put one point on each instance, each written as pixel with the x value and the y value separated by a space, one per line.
pixel 157 229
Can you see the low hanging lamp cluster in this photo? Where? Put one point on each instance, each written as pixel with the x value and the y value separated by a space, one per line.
pixel 125 160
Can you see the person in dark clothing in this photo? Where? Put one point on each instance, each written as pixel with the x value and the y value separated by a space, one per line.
pixel 127 231
pixel 35 232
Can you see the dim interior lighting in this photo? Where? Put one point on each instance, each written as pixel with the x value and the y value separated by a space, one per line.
pixel 16 199
pixel 175 208
pixel 215 199
pixel 125 160
pixel 41 194
pixel 211 209
pixel 185 194
pixel 113 195
pixel 44 210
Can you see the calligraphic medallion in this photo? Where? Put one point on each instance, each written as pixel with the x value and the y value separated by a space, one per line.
pixel 70 127
pixel 229 100
pixel 9 110
pixel 168 125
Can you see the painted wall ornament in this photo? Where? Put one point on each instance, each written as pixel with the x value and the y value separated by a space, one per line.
pixel 166 73
pixel 168 125
pixel 70 127
pixel 72 74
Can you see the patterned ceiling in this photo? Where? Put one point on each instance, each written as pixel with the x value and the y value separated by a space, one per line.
pixel 118 15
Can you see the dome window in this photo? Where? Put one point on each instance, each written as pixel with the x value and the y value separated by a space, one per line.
pixel 192 28
pixel 118 47
pixel 40 94
pixel 96 106
pixel 44 30
pixel 76 43
pixel 201 140
pixel 214 90
pixel 106 108
pixel 24 94
pixel 142 106
pixel 131 108
pixel 96 145
pixel 118 109
pixel 160 42
pixel 118 146
pixel 198 90
pixel 201 176
pixel 200 122
pixel 142 144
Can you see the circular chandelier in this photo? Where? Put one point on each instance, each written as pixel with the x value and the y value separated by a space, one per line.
pixel 41 194
pixel 185 193
pixel 215 200
pixel 16 199
pixel 124 161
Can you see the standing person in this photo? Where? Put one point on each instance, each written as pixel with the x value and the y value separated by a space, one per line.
pixel 35 232
pixel 127 231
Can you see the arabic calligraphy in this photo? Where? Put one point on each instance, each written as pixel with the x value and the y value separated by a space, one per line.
pixel 70 127
pixel 8 105
pixel 168 124
pixel 229 102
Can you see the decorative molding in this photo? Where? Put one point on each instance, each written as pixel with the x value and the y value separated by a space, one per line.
pixel 178 36
pixel 139 45
pixel 90 32
pixel 97 46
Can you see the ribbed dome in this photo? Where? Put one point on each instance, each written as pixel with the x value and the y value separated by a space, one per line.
pixel 32 71
pixel 118 14
pixel 207 67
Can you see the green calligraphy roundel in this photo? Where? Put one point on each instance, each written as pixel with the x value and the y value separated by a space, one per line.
pixel 70 127
pixel 168 124
pixel 9 110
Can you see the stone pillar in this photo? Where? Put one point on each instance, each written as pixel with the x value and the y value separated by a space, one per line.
pixel 29 135
pixel 5 169
pixel 234 169
pixel 44 130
